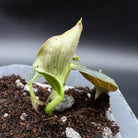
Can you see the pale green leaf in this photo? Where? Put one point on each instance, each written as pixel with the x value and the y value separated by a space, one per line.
pixel 33 76
pixel 54 57
pixel 99 80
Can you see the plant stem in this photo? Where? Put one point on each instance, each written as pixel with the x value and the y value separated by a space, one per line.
pixel 99 92
pixel 50 106
pixel 35 101
pixel 31 91
pixel 53 95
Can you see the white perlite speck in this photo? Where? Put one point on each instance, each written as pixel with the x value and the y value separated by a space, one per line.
pixel 63 119
pixel 37 97
pixel 24 93
pixel 71 133
pixel 49 88
pixel 88 95
pixel 26 88
pixel 107 133
pixel 6 115
pixel 23 116
pixel 17 81
pixel 67 102
pixel 19 84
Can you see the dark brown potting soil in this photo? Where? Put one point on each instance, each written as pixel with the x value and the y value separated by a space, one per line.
pixel 86 116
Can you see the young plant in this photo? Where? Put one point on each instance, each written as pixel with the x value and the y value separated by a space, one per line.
pixel 54 61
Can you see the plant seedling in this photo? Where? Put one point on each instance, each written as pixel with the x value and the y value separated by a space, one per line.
pixel 54 61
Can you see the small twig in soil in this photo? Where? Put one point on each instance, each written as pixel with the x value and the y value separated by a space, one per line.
pixel 49 118
pixel 54 133
pixel 90 109
pixel 77 113
pixel 32 112
pixel 4 100
pixel 25 103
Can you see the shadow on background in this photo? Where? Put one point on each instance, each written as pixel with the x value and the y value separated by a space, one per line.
pixel 108 42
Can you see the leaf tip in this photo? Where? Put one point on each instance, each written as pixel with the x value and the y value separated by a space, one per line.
pixel 80 22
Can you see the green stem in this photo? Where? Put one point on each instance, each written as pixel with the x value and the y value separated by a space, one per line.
pixel 50 106
pixel 35 101
pixel 31 91
pixel 53 95
pixel 99 92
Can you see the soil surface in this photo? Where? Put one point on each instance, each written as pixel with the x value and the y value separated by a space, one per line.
pixel 86 116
